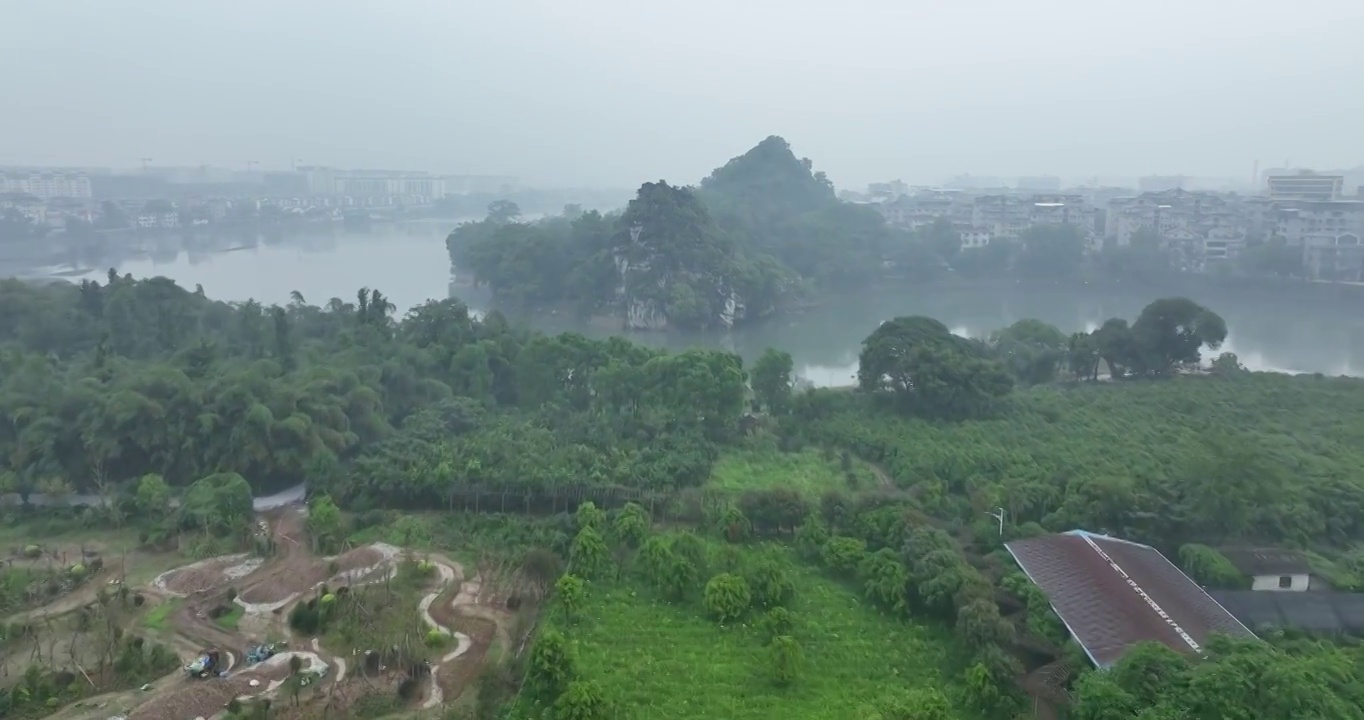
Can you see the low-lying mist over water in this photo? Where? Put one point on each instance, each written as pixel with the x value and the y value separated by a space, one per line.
pixel 411 265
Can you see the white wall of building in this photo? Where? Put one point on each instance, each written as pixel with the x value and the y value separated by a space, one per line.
pixel 1282 583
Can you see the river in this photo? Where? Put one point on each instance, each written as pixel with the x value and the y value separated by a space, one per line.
pixel 1284 329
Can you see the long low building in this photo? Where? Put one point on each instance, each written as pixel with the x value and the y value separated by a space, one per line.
pixel 1112 594
pixel 1326 613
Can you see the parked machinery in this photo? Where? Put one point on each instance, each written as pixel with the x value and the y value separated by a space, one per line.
pixel 259 653
pixel 206 665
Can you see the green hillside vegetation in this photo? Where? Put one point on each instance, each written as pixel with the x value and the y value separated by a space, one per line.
pixel 810 472
pixel 1149 461
pixel 145 392
pixel 666 658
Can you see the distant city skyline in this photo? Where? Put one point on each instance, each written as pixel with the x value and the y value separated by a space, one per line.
pixel 1354 177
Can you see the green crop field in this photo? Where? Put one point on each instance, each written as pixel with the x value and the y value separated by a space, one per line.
pixel 809 472
pixel 660 659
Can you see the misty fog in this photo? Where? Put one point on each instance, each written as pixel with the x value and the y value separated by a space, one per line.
pixel 611 93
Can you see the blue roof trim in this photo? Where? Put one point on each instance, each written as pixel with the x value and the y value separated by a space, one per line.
pixel 1110 538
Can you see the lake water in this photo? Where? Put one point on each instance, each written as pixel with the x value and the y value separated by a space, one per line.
pixel 1286 330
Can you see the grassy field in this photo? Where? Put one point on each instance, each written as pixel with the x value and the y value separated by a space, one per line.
pixel 810 472
pixel 669 660
pixel 232 617
pixel 461 535
pixel 158 616
pixel 65 534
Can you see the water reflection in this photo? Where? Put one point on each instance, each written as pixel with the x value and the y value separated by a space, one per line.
pixel 1289 329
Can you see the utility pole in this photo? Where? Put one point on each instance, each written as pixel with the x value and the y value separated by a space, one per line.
pixel 998 515
pixel 145 162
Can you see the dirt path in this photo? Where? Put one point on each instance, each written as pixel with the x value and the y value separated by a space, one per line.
pixel 442 614
pixel 337 660
pixel 191 630
pixel 449 571
pixel 455 606
pixel 82 595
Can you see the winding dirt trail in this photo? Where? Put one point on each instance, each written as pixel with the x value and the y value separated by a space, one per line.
pixel 449 572
pixel 339 661
pixel 465 603
pixel 202 588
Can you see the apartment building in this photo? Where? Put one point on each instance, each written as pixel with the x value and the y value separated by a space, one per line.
pixel 982 219
pixel 1203 227
pixel 1306 185
pixel 1007 217
pixel 1329 233
pixel 1339 258
pixel 26 205
pixel 1296 221
pixel 46 185
pixel 886 191
pixel 975 239
pixel 925 207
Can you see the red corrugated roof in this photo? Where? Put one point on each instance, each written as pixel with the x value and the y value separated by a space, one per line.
pixel 1113 594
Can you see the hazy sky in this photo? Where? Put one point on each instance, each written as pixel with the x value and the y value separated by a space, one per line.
pixel 616 92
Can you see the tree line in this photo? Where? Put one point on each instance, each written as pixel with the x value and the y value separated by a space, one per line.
pixel 920 365
pixel 106 383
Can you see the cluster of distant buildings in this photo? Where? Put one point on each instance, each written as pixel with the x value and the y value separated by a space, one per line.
pixel 1319 214
pixel 168 197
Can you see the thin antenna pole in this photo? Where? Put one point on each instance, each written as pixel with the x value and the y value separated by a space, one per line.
pixel 998 515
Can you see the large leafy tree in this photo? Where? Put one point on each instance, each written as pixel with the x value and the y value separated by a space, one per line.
pixel 923 366
pixel 772 381
pixel 1173 331
pixel 1031 349
pixel 1237 679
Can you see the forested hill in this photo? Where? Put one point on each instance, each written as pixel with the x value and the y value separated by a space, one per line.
pixel 104 383
pixel 141 391
pixel 758 232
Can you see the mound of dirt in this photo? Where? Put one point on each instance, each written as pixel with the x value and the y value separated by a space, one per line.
pixel 206 574
pixel 301 575
pixel 205 698
pixel 208 697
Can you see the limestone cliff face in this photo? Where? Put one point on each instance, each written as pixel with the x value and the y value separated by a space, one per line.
pixel 651 300
pixel 673 268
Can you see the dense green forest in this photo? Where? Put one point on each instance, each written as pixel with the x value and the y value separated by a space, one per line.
pixel 141 390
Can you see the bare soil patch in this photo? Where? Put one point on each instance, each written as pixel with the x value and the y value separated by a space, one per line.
pixel 300 574
pixel 213 574
pixel 204 698
pixel 459 674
